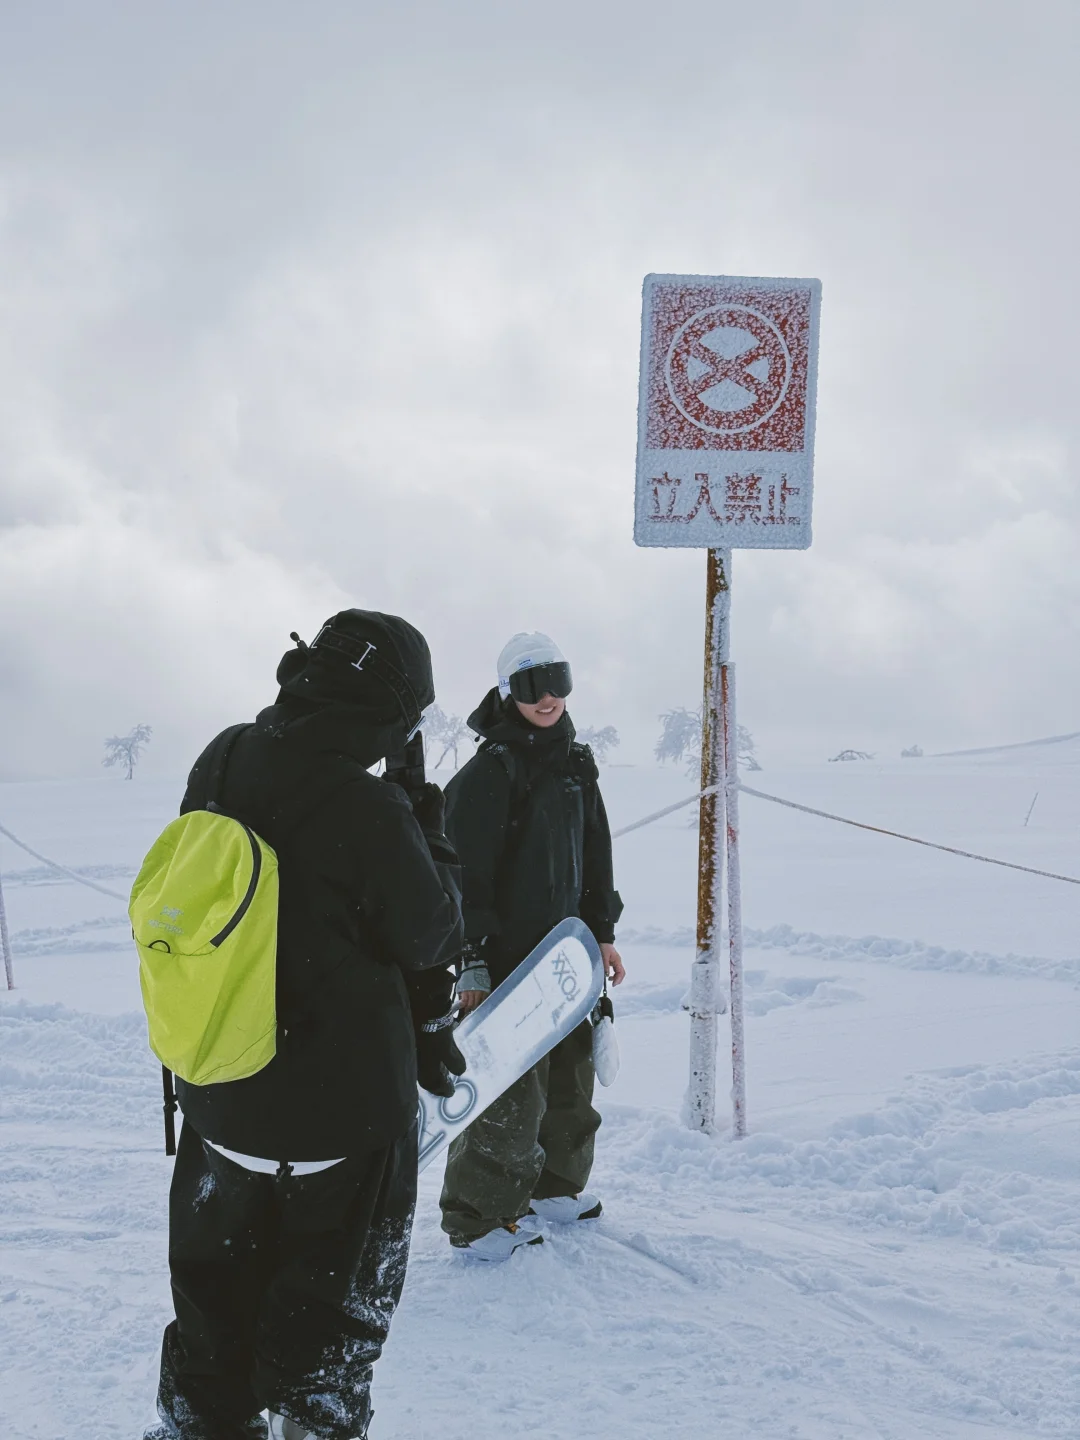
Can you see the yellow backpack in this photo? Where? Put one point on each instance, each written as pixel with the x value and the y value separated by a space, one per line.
pixel 204 917
pixel 204 914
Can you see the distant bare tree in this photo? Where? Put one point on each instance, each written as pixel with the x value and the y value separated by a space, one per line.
pixel 680 739
pixel 747 754
pixel 913 752
pixel 852 755
pixel 126 749
pixel 445 730
pixel 601 741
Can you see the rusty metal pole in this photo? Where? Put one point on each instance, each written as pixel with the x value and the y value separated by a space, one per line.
pixel 734 898
pixel 5 942
pixel 705 974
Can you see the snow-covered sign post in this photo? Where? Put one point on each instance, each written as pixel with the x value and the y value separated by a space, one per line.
pixel 725 460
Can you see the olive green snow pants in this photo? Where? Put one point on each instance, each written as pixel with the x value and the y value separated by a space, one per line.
pixel 536 1141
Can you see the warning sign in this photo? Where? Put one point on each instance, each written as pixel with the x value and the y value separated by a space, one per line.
pixel 726 413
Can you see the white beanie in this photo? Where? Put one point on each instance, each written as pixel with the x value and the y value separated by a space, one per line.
pixel 524 650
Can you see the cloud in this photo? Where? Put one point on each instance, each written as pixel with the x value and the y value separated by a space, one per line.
pixel 303 309
pixel 120 625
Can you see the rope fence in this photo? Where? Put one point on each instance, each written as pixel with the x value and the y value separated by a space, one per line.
pixel 911 839
pixel 5 940
pixel 667 810
pixel 858 825
pixel 71 874
pixel 5 943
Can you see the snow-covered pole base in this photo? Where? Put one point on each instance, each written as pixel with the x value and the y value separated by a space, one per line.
pixel 5 942
pixel 704 975
pixel 734 900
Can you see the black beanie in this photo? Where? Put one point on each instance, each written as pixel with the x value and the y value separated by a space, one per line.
pixel 326 672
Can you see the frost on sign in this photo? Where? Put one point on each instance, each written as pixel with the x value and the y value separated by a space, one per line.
pixel 726 411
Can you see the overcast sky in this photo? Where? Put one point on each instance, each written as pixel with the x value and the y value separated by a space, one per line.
pixel 310 305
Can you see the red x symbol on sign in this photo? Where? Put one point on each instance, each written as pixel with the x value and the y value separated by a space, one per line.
pixel 728 369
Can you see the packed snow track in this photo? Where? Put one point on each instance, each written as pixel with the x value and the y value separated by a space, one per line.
pixel 892 1254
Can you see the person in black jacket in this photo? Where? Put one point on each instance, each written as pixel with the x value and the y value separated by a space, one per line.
pixel 293 1192
pixel 528 822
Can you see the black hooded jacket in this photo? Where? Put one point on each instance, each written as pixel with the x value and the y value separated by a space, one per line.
pixel 369 917
pixel 527 819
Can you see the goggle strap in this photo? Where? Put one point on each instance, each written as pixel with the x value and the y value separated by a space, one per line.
pixel 363 655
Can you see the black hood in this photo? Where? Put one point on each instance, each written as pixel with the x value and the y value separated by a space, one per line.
pixel 338 729
pixel 324 676
pixel 498 719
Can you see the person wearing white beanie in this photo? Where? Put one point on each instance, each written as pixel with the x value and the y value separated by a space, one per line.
pixel 527 819
pixel 530 651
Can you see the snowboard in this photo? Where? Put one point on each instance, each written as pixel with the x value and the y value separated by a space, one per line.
pixel 550 993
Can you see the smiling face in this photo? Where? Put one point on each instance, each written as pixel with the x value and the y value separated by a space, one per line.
pixel 547 710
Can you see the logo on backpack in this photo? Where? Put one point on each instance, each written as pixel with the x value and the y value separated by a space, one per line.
pixel 172 913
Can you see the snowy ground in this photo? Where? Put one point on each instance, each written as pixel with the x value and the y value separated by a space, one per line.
pixel 893 1253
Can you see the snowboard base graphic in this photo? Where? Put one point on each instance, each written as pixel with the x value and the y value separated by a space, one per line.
pixel 549 994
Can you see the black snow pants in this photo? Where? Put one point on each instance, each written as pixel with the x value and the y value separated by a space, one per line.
pixel 535 1142
pixel 284 1288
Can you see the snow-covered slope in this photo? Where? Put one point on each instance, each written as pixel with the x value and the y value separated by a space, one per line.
pixel 893 1253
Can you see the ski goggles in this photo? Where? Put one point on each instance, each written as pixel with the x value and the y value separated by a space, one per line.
pixel 531 685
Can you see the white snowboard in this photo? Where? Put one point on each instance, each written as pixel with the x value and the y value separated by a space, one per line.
pixel 549 994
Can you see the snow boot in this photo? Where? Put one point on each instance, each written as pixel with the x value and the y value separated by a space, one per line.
pixel 563 1208
pixel 498 1244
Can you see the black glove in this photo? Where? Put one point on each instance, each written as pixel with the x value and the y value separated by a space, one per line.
pixel 438 1058
pixel 429 807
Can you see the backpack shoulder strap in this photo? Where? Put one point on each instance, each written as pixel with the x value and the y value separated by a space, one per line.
pixel 583 762
pixel 208 776
pixel 219 761
pixel 520 787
